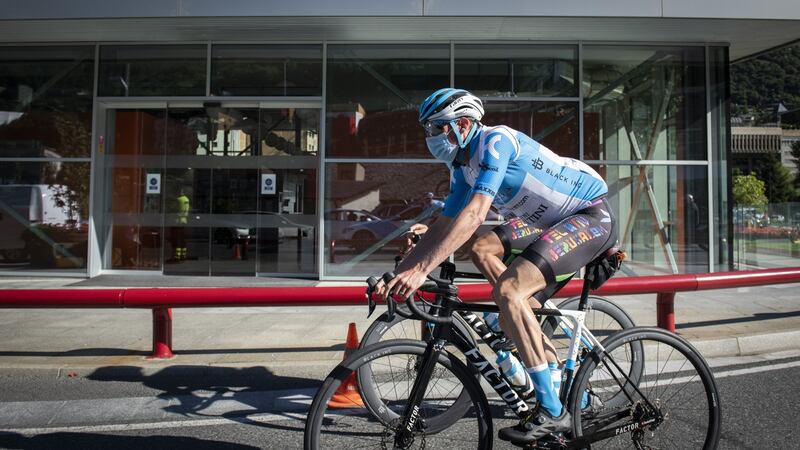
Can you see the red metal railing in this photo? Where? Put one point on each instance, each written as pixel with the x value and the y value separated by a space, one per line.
pixel 161 300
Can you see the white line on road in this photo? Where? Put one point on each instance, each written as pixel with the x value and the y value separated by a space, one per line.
pixel 259 418
pixel 757 369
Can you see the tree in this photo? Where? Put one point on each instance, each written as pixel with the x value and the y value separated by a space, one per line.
pixel 748 190
pixel 796 160
pixel 778 180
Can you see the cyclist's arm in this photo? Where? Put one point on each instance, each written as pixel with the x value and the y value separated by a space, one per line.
pixel 446 235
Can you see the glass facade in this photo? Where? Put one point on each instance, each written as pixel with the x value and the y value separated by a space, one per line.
pixel 644 103
pixel 266 70
pixel 152 70
pixel 212 185
pixel 45 149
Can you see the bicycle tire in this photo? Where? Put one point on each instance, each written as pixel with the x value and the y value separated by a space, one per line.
pixel 654 387
pixel 316 434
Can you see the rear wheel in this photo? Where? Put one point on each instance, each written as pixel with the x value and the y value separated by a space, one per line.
pixel 673 404
pixel 393 371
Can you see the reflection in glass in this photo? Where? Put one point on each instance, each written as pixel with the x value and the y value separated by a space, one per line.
pixel 289 132
pixel 269 70
pixel 552 124
pixel 517 70
pixel 152 70
pixel 287 237
pixel 44 208
pixel 644 103
pixel 232 221
pixel 373 93
pixel 46 101
pixel 369 207
pixel 134 167
pixel 662 214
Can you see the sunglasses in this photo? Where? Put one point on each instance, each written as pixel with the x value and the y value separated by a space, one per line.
pixel 434 128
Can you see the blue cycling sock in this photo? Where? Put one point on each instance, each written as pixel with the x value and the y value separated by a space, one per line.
pixel 543 383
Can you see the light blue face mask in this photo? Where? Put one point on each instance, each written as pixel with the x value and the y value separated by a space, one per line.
pixel 441 148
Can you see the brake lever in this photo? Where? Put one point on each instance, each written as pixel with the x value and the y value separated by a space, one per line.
pixel 371 283
pixel 390 305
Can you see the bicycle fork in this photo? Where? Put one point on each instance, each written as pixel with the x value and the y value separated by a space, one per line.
pixel 411 421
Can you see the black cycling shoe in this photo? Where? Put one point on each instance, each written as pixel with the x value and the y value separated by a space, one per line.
pixel 535 427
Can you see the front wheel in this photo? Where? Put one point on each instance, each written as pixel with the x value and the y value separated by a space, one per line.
pixel 392 370
pixel 674 403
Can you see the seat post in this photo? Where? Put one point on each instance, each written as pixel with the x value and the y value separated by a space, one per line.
pixel 587 281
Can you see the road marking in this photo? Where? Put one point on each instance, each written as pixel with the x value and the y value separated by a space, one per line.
pixel 757 369
pixel 259 418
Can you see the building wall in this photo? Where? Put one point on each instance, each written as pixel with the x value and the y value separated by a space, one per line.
pixel 637 113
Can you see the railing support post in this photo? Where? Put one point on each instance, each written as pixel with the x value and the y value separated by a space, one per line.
pixel 665 310
pixel 162 333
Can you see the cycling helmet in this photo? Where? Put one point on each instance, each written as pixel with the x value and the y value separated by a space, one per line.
pixel 448 104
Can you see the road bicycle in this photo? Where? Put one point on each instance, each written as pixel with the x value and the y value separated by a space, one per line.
pixel 603 317
pixel 422 395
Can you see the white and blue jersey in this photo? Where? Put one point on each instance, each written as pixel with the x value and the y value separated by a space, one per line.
pixel 525 178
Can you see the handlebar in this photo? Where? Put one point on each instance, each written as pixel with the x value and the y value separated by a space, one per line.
pixel 433 285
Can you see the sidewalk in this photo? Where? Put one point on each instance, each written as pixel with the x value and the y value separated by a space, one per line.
pixel 720 323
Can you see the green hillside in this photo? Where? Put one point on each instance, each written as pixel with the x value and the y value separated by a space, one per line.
pixel 758 84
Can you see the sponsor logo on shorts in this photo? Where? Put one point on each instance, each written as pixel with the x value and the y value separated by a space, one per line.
pixel 570 235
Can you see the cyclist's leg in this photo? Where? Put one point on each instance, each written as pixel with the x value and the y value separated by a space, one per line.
pixel 549 262
pixel 493 251
pixel 560 252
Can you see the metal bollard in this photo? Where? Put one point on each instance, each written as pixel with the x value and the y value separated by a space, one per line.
pixel 665 310
pixel 162 334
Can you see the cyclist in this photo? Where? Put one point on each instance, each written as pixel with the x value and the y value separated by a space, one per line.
pixel 559 220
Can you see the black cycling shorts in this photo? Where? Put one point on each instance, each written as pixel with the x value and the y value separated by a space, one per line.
pixel 562 249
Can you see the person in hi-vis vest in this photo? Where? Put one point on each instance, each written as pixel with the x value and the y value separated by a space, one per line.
pixel 178 237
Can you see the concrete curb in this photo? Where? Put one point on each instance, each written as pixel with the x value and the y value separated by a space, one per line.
pixel 748 344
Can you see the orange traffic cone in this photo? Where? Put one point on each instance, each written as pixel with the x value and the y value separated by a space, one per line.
pixel 237 252
pixel 347 396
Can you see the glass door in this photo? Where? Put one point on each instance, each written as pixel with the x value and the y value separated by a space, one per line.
pixel 132 153
pixel 212 189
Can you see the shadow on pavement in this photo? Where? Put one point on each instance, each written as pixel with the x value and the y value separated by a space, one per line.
pixel 195 391
pixel 103 441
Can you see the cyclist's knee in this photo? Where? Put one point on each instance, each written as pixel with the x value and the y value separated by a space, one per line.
pixel 506 293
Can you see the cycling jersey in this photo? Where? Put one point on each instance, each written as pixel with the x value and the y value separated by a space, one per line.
pixel 524 178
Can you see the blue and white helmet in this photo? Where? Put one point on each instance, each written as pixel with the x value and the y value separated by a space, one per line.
pixel 449 104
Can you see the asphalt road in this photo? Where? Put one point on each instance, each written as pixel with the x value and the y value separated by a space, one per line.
pixel 252 407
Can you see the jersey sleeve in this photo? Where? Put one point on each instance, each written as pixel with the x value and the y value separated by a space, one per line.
pixel 498 152
pixel 457 198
